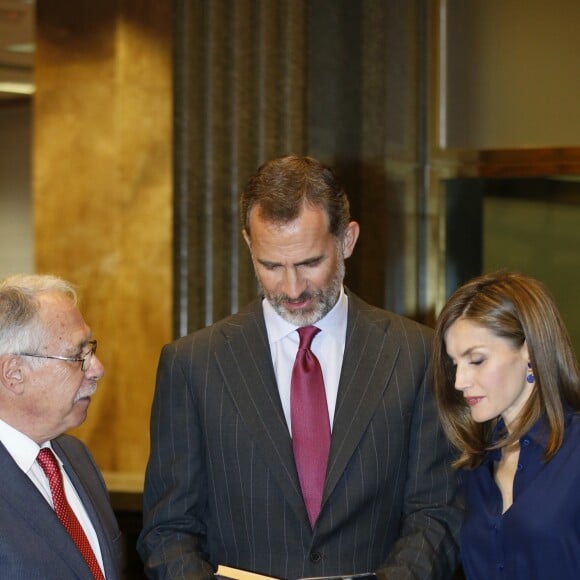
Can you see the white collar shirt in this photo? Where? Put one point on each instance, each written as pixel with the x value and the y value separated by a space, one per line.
pixel 328 346
pixel 24 452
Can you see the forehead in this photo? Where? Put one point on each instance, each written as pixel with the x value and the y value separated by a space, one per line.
pixel 309 232
pixel 62 319
pixel 466 334
pixel 466 331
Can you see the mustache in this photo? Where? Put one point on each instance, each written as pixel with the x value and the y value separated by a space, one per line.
pixel 84 393
pixel 306 295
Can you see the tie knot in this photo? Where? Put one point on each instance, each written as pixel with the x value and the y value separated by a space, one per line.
pixel 47 461
pixel 307 333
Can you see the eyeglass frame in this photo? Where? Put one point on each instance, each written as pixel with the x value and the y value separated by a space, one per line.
pixel 82 359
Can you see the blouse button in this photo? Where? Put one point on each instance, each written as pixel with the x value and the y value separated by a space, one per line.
pixel 520 466
pixel 525 442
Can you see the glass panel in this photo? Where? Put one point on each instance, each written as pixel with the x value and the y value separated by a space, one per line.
pixel 510 73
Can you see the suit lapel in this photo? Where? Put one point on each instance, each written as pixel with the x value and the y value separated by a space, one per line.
pixel 246 366
pixel 34 511
pixel 369 359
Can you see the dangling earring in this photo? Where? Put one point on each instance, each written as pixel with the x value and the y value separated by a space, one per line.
pixel 530 374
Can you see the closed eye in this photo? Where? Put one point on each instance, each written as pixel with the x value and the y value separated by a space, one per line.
pixel 312 263
pixel 269 265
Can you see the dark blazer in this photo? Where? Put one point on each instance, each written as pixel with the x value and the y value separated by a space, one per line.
pixel 33 543
pixel 221 484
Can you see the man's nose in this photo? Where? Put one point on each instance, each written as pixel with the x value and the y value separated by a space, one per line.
pixel 96 369
pixel 293 283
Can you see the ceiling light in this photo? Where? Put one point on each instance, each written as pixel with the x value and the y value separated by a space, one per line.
pixel 24 48
pixel 17 88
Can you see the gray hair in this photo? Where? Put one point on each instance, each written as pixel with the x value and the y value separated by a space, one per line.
pixel 20 329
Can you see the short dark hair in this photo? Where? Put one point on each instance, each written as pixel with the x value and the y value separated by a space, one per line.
pixel 282 186
pixel 516 308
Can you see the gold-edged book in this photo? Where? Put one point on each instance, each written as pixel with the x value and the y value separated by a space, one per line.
pixel 237 574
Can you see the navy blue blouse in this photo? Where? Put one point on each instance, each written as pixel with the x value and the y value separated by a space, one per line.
pixel 538 537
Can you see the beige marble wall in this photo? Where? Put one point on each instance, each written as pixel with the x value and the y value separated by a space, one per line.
pixel 103 199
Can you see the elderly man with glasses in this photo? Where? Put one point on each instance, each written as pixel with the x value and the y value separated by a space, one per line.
pixel 55 517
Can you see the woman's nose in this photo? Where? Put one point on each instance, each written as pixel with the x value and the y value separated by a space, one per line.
pixel 461 378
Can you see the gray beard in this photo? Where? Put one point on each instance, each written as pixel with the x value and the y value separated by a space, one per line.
pixel 325 299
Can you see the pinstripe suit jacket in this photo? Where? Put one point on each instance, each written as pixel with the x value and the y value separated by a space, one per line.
pixel 33 543
pixel 221 484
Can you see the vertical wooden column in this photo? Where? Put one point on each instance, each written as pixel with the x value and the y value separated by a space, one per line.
pixel 240 79
pixel 364 117
pixel 336 79
pixel 103 199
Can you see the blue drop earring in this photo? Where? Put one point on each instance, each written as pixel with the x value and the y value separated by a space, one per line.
pixel 530 374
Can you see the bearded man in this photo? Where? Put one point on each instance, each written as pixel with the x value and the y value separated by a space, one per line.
pixel 298 437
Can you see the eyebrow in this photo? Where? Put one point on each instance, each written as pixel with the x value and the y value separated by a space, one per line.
pixel 465 353
pixel 82 345
pixel 306 262
pixel 469 351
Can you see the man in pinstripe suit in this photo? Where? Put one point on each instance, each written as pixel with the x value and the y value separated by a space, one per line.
pixel 221 484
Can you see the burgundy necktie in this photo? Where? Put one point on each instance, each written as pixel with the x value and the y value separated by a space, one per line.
pixel 310 423
pixel 65 514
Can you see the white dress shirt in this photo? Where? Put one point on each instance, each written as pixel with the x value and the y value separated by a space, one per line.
pixel 24 452
pixel 328 346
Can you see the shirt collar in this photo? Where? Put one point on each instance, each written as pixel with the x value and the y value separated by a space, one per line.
pixel 21 447
pixel 331 324
pixel 538 433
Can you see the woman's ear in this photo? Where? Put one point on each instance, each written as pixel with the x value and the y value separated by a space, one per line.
pixel 524 351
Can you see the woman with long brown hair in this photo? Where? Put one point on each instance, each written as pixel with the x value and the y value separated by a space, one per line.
pixel 507 386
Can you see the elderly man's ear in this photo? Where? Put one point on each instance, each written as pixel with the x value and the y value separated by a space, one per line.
pixel 11 373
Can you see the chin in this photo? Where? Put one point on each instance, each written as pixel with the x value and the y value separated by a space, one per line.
pixel 79 417
pixel 303 319
pixel 480 418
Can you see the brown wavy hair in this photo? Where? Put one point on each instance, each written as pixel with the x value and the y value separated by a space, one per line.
pixel 282 186
pixel 517 308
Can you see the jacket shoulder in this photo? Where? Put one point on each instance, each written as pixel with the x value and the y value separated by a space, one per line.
pixel 392 321
pixel 250 316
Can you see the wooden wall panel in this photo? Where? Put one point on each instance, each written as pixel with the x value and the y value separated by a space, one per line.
pixel 103 199
pixel 252 79
pixel 364 94
pixel 336 79
pixel 240 76
pixel 355 84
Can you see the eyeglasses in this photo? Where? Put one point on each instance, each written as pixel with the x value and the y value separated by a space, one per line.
pixel 85 359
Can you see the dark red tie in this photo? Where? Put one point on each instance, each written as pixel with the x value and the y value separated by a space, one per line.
pixel 65 514
pixel 310 423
